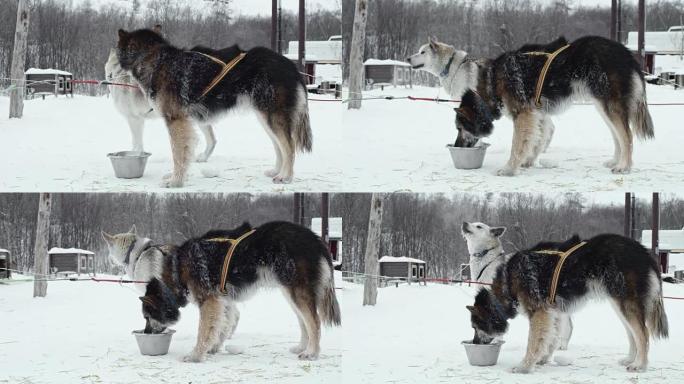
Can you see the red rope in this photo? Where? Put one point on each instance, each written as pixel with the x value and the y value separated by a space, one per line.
pixel 117 281
pixel 96 82
pixel 433 99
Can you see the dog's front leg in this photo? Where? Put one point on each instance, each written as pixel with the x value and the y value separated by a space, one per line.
pixel 210 326
pixel 538 339
pixel 525 135
pixel 136 124
pixel 182 138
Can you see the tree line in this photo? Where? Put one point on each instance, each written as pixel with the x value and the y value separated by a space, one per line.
pixel 78 38
pixel 486 28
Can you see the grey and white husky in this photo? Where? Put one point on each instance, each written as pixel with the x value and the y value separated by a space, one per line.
pixel 134 106
pixel 487 254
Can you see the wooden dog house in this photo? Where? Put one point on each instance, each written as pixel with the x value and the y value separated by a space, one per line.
pixel 5 264
pixel 41 82
pixel 408 268
pixel 71 260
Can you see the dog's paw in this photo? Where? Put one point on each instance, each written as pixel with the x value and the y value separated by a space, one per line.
pixel 620 170
pixel 171 183
pixel 626 361
pixel 543 361
pixel 202 158
pixel 193 358
pixel 636 368
pixel 308 355
pixel 297 349
pixel 610 163
pixel 506 171
pixel 521 369
pixel 280 179
pixel 271 173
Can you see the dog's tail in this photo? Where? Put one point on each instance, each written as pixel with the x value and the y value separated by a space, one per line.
pixel 301 133
pixel 329 308
pixel 640 118
pixel 657 321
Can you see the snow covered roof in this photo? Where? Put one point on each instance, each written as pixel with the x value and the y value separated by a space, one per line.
pixel 669 240
pixel 386 62
pixel 56 251
pixel 661 42
pixel 48 71
pixel 329 51
pixel 3 250
pixel 401 259
pixel 334 227
pixel 669 63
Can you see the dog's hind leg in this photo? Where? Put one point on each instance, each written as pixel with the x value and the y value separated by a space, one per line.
pixel 305 300
pixel 636 318
pixel 525 135
pixel 539 340
pixel 278 128
pixel 137 125
pixel 565 323
pixel 210 142
pixel 182 137
pixel 631 355
pixel 539 141
pixel 263 118
pixel 613 131
pixel 231 316
pixel 210 326
pixel 618 117
pixel 304 335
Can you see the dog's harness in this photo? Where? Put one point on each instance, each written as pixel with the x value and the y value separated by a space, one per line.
pixel 229 255
pixel 542 75
pixel 479 275
pixel 556 272
pixel 445 71
pixel 227 67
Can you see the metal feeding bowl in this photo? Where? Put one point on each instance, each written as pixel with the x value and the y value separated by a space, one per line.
pixel 154 344
pixel 468 157
pixel 129 164
pixel 482 355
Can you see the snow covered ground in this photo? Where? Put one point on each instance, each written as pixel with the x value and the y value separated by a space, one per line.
pixel 399 145
pixel 81 333
pixel 413 335
pixel 61 145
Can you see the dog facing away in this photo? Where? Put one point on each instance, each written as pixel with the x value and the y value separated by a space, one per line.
pixel 133 105
pixel 487 254
pixel 608 266
pixel 174 81
pixel 591 67
pixel 277 254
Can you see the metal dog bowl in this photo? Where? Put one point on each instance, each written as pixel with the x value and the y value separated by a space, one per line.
pixel 482 355
pixel 129 164
pixel 468 158
pixel 154 344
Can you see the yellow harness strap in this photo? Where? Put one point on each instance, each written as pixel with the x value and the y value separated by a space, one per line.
pixel 542 76
pixel 226 261
pixel 227 67
pixel 559 266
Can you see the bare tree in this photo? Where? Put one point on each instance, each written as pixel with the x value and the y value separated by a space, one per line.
pixel 18 59
pixel 370 287
pixel 356 56
pixel 40 250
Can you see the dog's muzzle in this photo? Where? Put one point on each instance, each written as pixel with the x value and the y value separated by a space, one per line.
pixel 465 226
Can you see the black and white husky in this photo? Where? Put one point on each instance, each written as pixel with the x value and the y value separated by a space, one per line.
pixel 133 105
pixel 607 266
pixel 176 83
pixel 592 67
pixel 276 254
pixel 487 254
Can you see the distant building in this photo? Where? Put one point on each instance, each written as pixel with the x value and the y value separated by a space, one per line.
pixel 41 82
pixel 323 59
pixel 5 264
pixel 407 268
pixel 663 50
pixel 387 72
pixel 334 237
pixel 71 260
pixel 670 247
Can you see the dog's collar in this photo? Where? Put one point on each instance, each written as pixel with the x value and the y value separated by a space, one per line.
pixel 127 259
pixel 446 70
pixel 483 253
pixel 147 244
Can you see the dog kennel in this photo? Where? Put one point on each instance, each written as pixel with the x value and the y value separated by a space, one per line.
pixel 404 268
pixel 71 260
pixel 5 264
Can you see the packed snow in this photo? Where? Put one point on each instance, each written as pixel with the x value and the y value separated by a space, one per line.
pixel 400 145
pixel 81 333
pixel 61 145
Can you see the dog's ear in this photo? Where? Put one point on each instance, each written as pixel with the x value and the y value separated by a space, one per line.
pixel 433 43
pixel 157 29
pixel 123 35
pixel 132 229
pixel 107 237
pixel 465 112
pixel 470 308
pixel 497 231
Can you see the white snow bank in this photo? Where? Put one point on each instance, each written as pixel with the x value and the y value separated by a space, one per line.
pixel 400 259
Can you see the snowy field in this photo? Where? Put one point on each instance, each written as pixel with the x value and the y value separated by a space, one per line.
pixel 413 335
pixel 399 145
pixel 61 145
pixel 81 333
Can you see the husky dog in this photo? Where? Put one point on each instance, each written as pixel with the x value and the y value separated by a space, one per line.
pixel 278 254
pixel 607 266
pixel 133 105
pixel 594 67
pixel 487 254
pixel 174 80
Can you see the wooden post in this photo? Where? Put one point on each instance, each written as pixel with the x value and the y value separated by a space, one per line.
pixel 356 54
pixel 655 226
pixel 40 250
pixel 618 29
pixel 274 25
pixel 302 37
pixel 641 46
pixel 325 215
pixel 297 210
pixel 18 82
pixel 613 20
pixel 370 286
pixel 628 215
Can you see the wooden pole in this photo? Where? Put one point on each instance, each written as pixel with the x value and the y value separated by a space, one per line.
pixel 356 54
pixel 18 82
pixel 613 20
pixel 628 215
pixel 274 25
pixel 325 217
pixel 302 36
pixel 618 31
pixel 642 37
pixel 370 286
pixel 40 249
pixel 655 226
pixel 280 28
pixel 297 209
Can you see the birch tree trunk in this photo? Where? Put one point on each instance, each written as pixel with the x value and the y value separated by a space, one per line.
pixel 18 84
pixel 370 287
pixel 356 54
pixel 40 251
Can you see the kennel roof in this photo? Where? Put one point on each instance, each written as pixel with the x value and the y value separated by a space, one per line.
pixel 400 259
pixel 334 227
pixel 48 71
pixel 668 240
pixel 386 62
pixel 58 251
